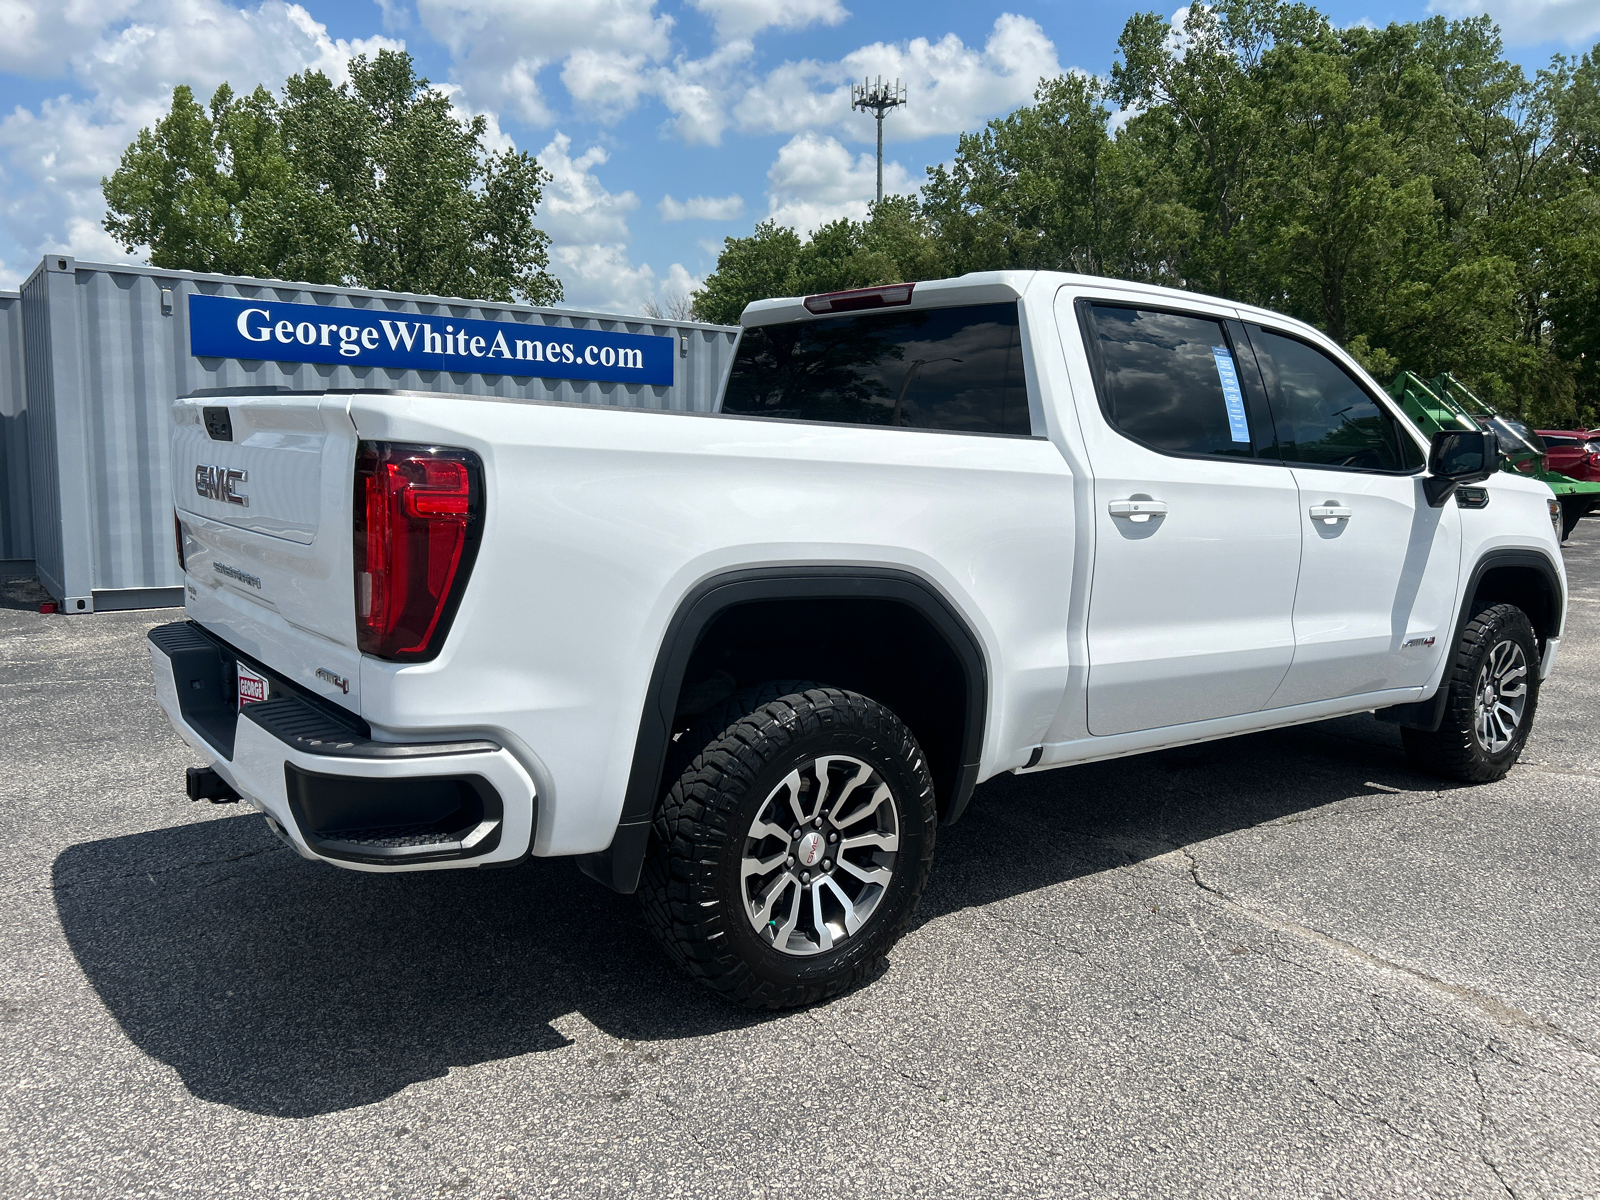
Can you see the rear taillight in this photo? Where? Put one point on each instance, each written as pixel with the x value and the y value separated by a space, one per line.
pixel 418 512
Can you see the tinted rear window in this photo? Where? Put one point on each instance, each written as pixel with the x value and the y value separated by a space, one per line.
pixel 1171 381
pixel 956 369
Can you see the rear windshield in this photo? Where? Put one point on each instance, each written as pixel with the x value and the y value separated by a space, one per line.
pixel 955 369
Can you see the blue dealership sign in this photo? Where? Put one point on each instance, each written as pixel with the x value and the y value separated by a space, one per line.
pixel 226 327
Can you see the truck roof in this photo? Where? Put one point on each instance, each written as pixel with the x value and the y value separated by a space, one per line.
pixel 990 287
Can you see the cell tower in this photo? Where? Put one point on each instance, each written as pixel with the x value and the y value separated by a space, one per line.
pixel 877 97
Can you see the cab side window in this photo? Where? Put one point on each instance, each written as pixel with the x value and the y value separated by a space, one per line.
pixel 1324 417
pixel 1171 381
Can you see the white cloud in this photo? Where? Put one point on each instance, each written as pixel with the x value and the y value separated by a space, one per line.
pixel 608 85
pixel 204 42
pixel 701 208
pixel 37 38
pixel 605 279
pixel 679 285
pixel 612 54
pixel 577 206
pixel 679 281
pixel 1529 22
pixel 814 180
pixel 589 234
pixel 696 91
pixel 746 18
pixel 127 58
pixel 605 83
pixel 499 46
pixel 952 87
pixel 395 17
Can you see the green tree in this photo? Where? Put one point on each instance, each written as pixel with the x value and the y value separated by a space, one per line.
pixel 1571 215
pixel 1407 189
pixel 894 244
pixel 167 195
pixel 372 183
pixel 749 268
pixel 1041 188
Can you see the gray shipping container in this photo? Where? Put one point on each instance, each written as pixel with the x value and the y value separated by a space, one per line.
pixel 16 506
pixel 92 356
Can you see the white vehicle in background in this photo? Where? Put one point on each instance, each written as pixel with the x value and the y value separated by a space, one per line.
pixel 747 662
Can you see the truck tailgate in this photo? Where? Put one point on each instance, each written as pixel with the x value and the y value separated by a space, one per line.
pixel 263 491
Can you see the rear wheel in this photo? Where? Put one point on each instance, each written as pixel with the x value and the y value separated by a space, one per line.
pixel 788 856
pixel 1494 690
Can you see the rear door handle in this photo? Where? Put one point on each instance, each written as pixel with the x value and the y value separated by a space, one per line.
pixel 1329 514
pixel 1138 510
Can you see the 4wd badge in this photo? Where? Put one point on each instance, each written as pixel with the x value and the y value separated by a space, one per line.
pixel 221 483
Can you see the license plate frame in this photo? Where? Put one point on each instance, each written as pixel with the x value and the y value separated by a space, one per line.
pixel 253 687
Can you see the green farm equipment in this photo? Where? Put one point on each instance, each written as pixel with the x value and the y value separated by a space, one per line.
pixel 1444 402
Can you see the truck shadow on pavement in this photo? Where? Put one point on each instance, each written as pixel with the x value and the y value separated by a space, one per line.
pixel 293 989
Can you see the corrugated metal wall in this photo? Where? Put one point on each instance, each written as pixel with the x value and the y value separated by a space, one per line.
pixel 44 474
pixel 107 350
pixel 16 510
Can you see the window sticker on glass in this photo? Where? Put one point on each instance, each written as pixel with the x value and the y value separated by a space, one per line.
pixel 1238 427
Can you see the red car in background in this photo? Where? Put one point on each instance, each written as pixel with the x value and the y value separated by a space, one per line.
pixel 1573 452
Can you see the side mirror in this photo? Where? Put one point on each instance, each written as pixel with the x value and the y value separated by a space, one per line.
pixel 1459 456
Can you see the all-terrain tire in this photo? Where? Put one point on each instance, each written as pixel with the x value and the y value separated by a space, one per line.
pixel 693 890
pixel 709 725
pixel 1456 749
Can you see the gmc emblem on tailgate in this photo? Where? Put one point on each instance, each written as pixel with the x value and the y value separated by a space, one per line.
pixel 219 483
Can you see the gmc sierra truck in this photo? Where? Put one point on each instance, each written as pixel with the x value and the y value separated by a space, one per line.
pixel 746 662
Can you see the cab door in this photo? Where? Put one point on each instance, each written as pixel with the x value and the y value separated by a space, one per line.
pixel 1379 568
pixel 1197 535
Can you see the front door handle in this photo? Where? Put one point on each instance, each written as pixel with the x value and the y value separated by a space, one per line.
pixel 1329 514
pixel 1138 510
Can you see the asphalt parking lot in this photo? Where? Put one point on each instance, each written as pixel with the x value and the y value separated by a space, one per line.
pixel 1281 965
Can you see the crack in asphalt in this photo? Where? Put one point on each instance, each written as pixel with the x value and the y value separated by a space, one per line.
pixel 1489 1006
pixel 1483 1130
pixel 867 1058
pixel 707 1154
pixel 1278 1049
pixel 1038 933
pixel 1480 1149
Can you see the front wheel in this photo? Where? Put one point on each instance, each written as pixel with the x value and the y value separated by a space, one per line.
pixel 1494 689
pixel 788 856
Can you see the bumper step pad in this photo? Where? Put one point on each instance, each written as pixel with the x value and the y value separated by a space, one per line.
pixel 297 723
pixel 367 814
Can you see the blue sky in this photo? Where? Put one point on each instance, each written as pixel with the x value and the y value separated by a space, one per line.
pixel 668 124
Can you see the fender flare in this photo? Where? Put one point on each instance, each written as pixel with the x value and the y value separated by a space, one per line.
pixel 1429 714
pixel 618 866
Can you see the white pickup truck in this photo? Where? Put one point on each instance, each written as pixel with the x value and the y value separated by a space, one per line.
pixel 746 662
